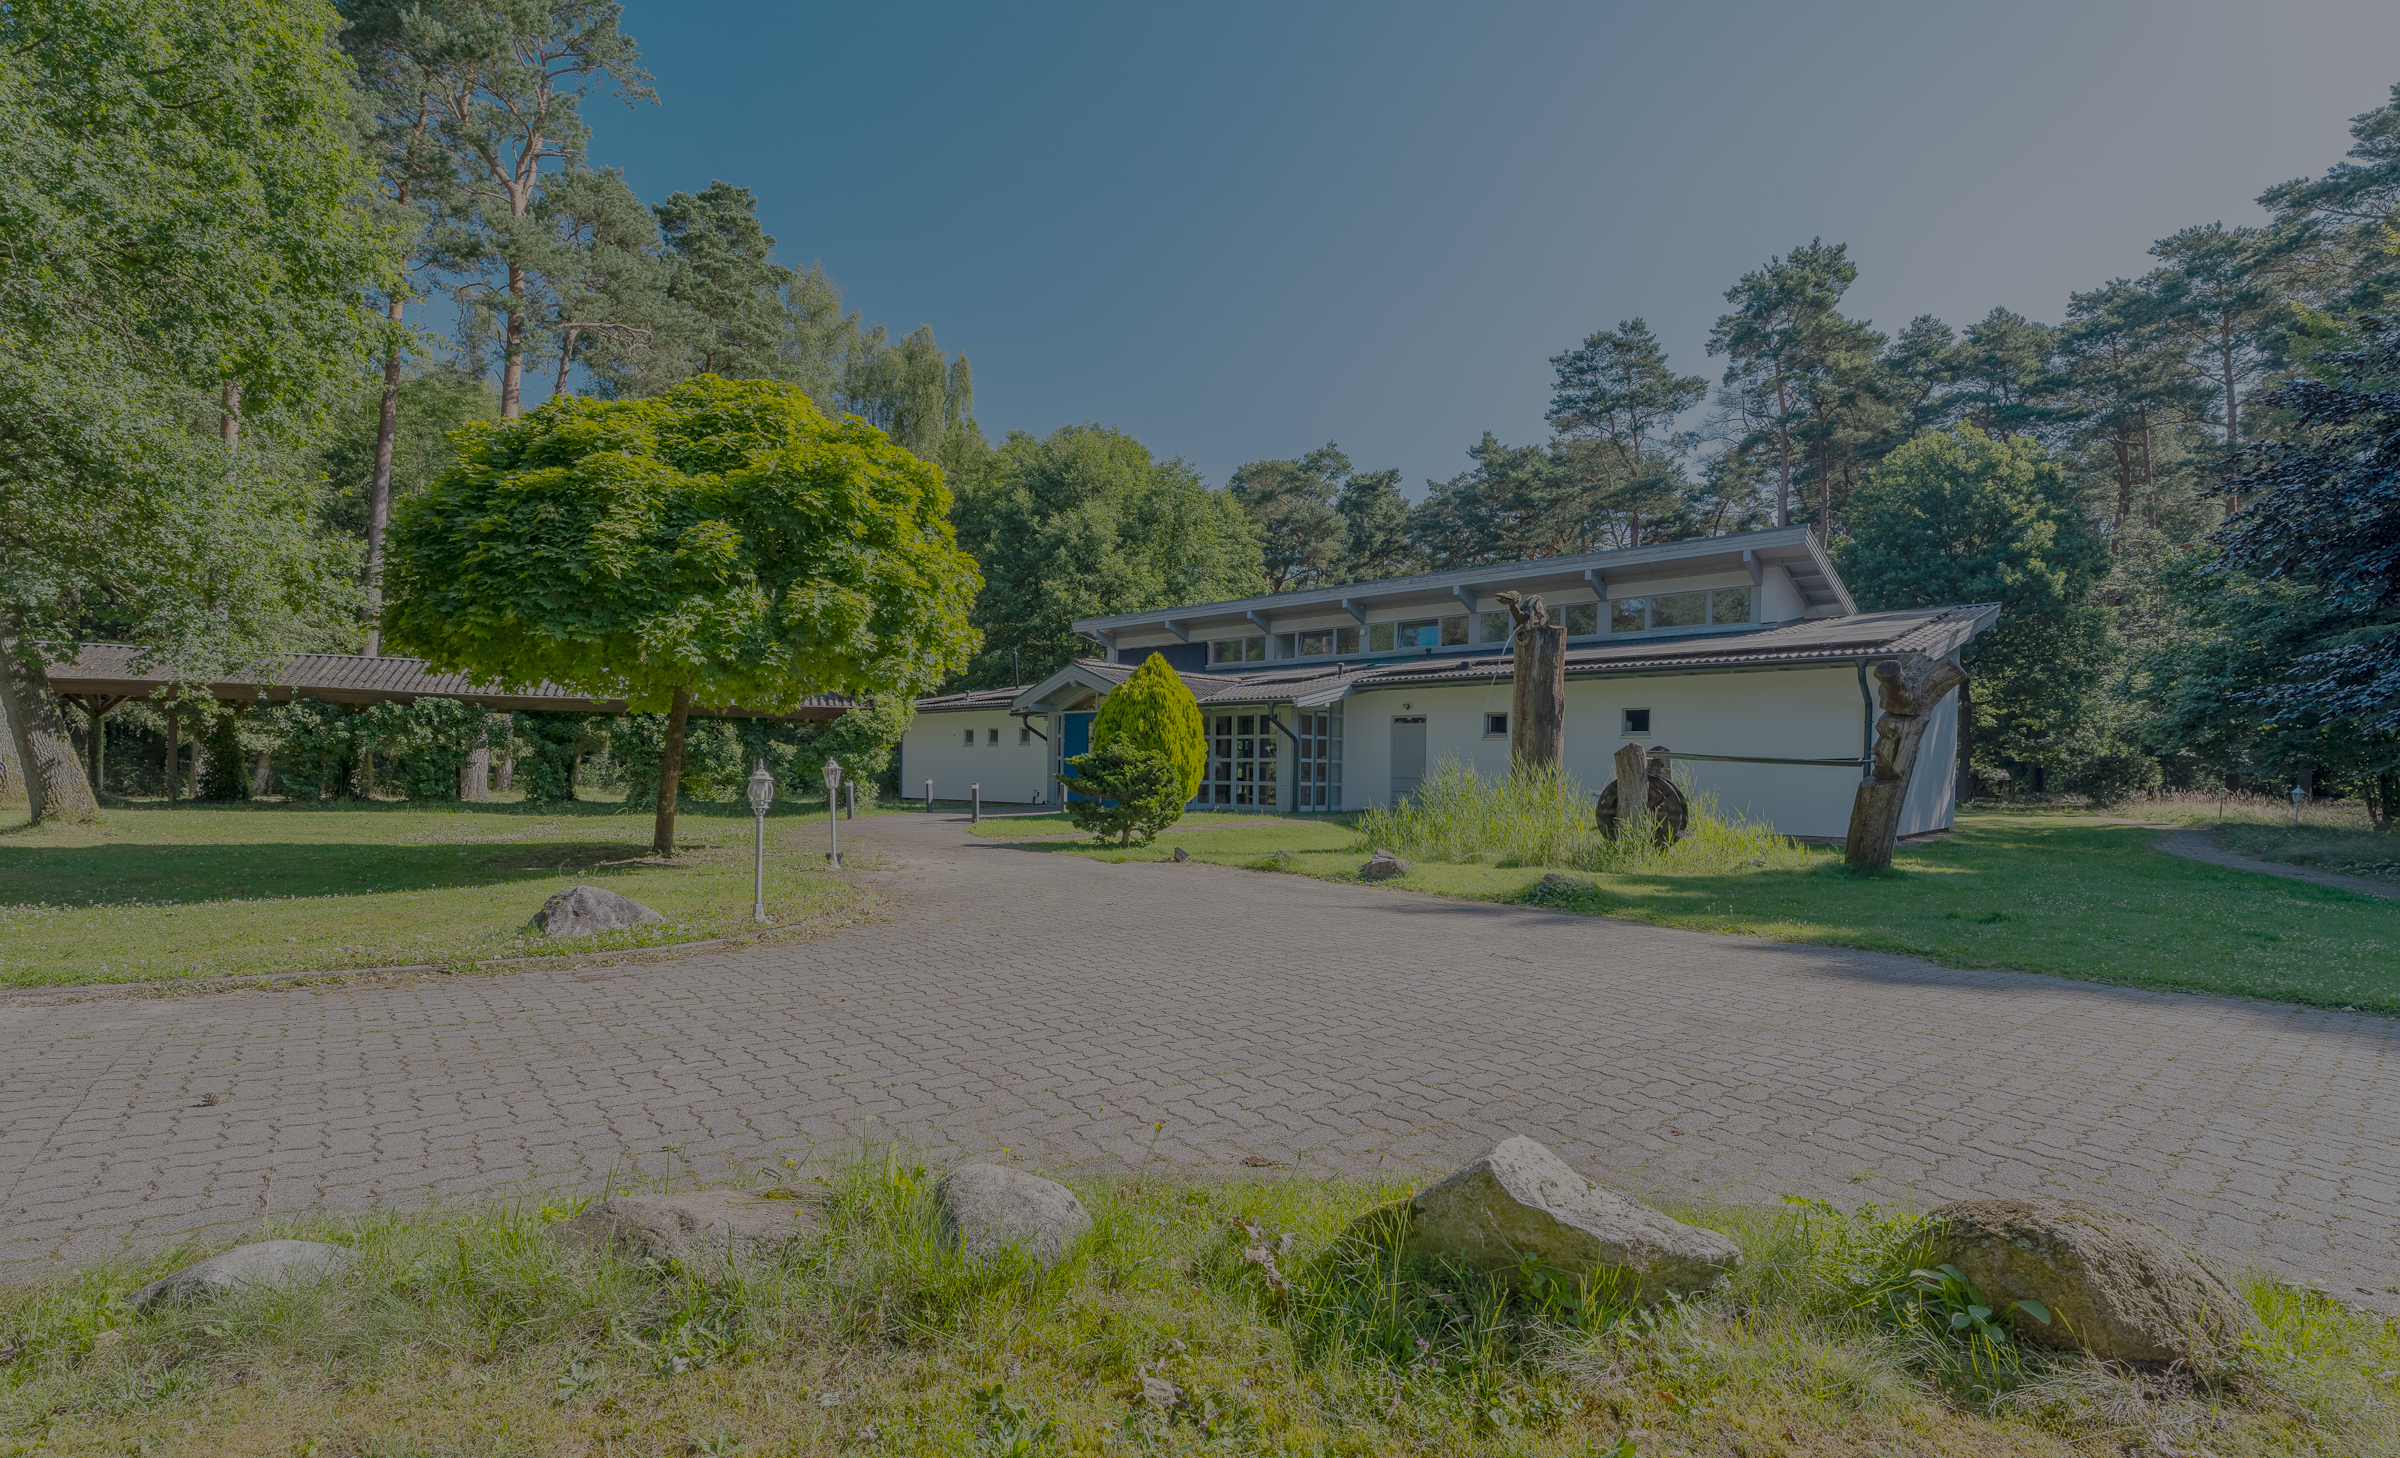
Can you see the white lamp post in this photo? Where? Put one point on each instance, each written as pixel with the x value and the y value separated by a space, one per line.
pixel 2299 798
pixel 833 822
pixel 762 794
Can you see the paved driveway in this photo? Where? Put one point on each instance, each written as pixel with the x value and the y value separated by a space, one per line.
pixel 1062 1007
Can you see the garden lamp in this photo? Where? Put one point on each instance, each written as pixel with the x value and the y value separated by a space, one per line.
pixel 2299 798
pixel 762 794
pixel 833 822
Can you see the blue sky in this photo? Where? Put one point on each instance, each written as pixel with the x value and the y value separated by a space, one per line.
pixel 1241 231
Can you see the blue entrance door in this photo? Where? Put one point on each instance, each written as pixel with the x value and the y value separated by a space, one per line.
pixel 1074 738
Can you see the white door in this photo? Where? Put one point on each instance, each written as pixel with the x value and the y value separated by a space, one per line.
pixel 1408 757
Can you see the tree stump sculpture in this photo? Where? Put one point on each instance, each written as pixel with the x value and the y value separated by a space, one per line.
pixel 1537 723
pixel 1659 807
pixel 1909 687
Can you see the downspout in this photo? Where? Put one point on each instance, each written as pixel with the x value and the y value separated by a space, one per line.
pixel 1866 746
pixel 1027 716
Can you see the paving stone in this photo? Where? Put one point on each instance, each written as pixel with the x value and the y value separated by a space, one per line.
pixel 961 1023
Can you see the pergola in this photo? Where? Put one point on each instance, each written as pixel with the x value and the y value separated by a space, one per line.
pixel 96 677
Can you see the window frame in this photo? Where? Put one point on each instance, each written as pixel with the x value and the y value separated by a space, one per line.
pixel 1627 729
pixel 1495 725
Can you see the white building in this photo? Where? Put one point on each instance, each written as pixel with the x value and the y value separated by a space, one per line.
pixel 1743 655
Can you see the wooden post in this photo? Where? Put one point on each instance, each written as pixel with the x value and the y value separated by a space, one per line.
pixel 174 752
pixel 1537 722
pixel 1909 687
pixel 1633 791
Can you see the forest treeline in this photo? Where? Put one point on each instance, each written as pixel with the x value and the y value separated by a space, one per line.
pixel 232 222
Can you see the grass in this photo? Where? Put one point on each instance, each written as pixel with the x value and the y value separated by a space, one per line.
pixel 2070 896
pixel 2325 835
pixel 151 894
pixel 1197 1317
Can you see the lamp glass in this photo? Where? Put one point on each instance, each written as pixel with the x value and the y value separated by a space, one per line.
pixel 833 776
pixel 762 789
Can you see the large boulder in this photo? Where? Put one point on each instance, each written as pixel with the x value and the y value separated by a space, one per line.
pixel 579 911
pixel 2117 1287
pixel 1521 1200
pixel 698 1224
pixel 989 1207
pixel 1383 866
pixel 269 1263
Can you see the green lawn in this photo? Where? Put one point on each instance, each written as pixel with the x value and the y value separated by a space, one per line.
pixel 153 894
pixel 2071 896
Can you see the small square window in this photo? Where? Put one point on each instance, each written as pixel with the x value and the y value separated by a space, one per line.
pixel 1379 637
pixel 1583 619
pixel 1425 634
pixel 1345 640
pixel 1495 726
pixel 1729 605
pixel 1317 643
pixel 1454 631
pixel 993 737
pixel 970 739
pixel 1629 615
pixel 1496 627
pixel 1024 734
pixel 1637 721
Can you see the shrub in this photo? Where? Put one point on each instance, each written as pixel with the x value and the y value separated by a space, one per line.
pixel 1139 792
pixel 713 766
pixel 1153 710
pixel 423 745
pixel 862 741
pixel 316 747
pixel 549 743
pixel 1543 817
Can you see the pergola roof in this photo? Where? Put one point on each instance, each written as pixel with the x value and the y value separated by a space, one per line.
pixel 121 671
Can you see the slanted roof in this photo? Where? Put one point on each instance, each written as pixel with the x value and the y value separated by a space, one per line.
pixel 124 670
pixel 986 699
pixel 1935 631
pixel 1795 549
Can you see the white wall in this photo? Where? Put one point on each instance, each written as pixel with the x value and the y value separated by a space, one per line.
pixel 1797 713
pixel 934 748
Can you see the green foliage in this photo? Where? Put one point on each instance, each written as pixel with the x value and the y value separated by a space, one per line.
pixel 434 404
pixel 317 746
pixel 1944 1298
pixel 715 766
pixel 1154 710
pixel 725 540
pixel 1126 791
pixel 1960 517
pixel 1084 522
pixel 224 766
pixel 183 210
pixel 548 745
pixel 422 746
pixel 1544 817
pixel 864 740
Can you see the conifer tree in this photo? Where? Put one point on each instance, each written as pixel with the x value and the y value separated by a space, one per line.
pixel 1153 710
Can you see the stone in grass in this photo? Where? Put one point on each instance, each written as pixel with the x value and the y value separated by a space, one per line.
pixel 1182 855
pixel 989 1207
pixel 696 1224
pixel 580 911
pixel 2119 1288
pixel 1520 1200
pixel 269 1263
pixel 1383 866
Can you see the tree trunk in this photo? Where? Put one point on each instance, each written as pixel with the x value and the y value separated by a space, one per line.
pixel 229 423
pixel 379 490
pixel 54 785
pixel 1633 791
pixel 1910 687
pixel 1537 722
pixel 174 753
pixel 262 775
pixel 670 776
pixel 506 780
pixel 512 349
